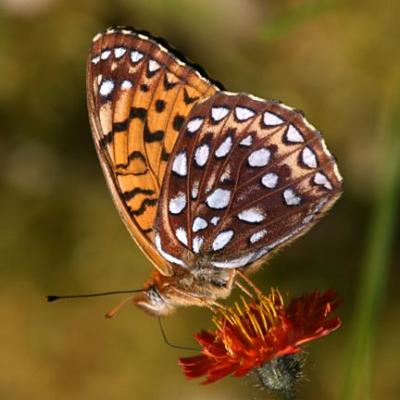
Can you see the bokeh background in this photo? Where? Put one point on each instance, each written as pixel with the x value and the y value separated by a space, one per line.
pixel 339 61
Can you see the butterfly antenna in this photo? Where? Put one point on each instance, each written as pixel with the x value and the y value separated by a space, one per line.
pixel 52 298
pixel 168 343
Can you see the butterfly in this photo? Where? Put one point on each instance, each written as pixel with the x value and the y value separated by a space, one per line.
pixel 209 183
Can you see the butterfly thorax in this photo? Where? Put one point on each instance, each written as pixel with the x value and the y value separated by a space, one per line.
pixel 201 285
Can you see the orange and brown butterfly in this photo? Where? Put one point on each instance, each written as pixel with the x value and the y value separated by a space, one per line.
pixel 209 183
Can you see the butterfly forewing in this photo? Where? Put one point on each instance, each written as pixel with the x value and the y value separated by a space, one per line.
pixel 246 177
pixel 139 94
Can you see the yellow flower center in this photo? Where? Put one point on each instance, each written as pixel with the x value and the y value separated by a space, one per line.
pixel 253 320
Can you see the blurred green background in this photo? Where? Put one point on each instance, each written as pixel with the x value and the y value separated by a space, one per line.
pixel 338 61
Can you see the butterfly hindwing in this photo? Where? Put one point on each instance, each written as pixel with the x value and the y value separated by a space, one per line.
pixel 246 177
pixel 139 94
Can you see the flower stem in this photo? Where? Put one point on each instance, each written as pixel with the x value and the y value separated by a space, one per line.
pixel 377 256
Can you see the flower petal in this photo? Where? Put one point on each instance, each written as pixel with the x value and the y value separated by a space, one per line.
pixel 194 367
pixel 261 331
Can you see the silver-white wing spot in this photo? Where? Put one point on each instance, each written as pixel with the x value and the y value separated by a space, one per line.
pixel 201 155
pixel 154 66
pixel 177 203
pixel 195 189
pixel 270 180
pixel 247 141
pixel 219 113
pixel 179 166
pixel 119 52
pixel 234 263
pixel 215 220
pixel 181 234
pixel 106 87
pixel 293 135
pixel 199 224
pixel 222 239
pixel 136 56
pixel 243 113
pixel 219 199
pixel 95 60
pixel 252 215
pixel 255 237
pixel 291 198
pixel 309 158
pixel 126 84
pixel 166 255
pixel 194 124
pixel 197 243
pixel 322 180
pixel 224 148
pixel 272 119
pixel 105 54
pixel 259 158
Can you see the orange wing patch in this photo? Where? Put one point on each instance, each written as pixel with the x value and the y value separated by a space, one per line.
pixel 139 95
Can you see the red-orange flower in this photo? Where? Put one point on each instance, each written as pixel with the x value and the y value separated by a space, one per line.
pixel 249 335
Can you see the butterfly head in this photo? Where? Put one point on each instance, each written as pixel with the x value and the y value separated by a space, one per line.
pixel 154 302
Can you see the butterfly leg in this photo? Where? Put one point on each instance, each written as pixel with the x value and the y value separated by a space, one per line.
pixel 212 305
pixel 243 289
pixel 215 307
pixel 218 305
pixel 249 282
pixel 186 298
